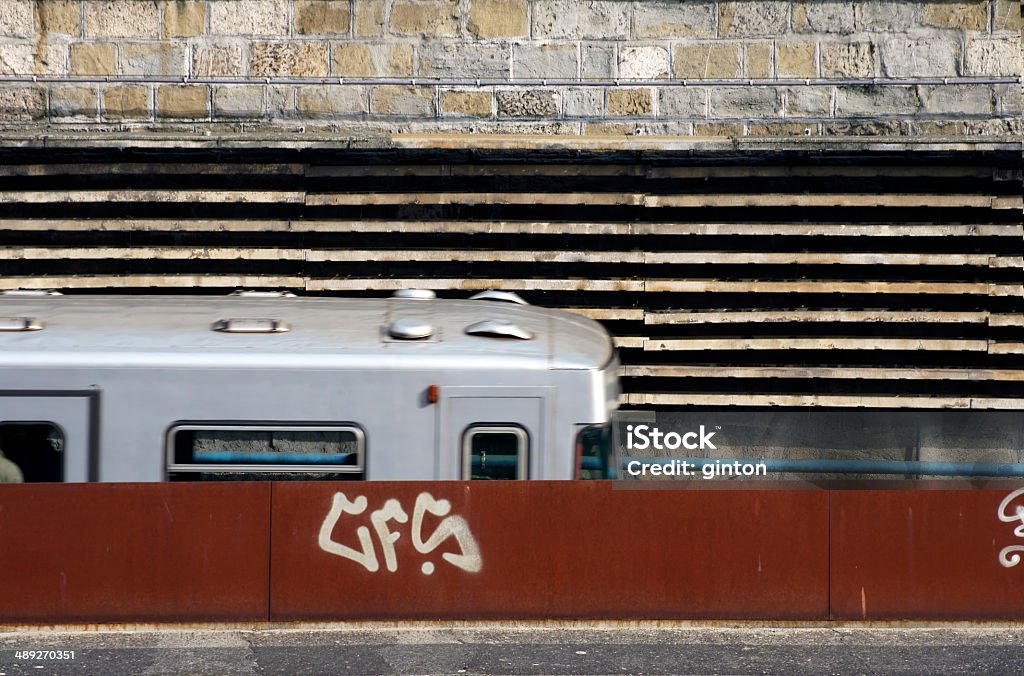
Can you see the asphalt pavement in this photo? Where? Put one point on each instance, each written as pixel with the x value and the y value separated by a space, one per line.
pixel 599 648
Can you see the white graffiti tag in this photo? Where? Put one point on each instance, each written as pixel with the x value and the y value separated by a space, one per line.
pixel 1010 556
pixel 451 526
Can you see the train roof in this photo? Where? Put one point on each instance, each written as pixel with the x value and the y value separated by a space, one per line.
pixel 294 332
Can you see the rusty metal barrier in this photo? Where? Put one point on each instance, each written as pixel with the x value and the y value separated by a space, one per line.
pixel 546 550
pixel 133 552
pixel 928 554
pixel 445 550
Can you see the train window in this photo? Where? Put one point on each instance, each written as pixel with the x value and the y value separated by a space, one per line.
pixel 495 452
pixel 593 449
pixel 34 452
pixel 208 451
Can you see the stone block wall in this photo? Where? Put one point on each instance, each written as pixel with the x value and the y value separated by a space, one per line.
pixel 677 67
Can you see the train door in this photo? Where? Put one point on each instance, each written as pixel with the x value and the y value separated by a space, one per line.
pixel 493 433
pixel 48 436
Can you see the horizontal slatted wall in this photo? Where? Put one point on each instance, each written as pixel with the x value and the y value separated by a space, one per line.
pixel 864 281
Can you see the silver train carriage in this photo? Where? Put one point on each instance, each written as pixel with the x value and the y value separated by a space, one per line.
pixel 271 386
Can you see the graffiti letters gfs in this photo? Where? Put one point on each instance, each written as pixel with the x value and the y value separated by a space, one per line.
pixel 451 526
pixel 1010 556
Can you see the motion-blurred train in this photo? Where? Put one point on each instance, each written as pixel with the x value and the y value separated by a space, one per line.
pixel 266 385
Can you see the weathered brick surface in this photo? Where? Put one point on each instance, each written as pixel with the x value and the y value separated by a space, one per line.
pixel 93 59
pixel 183 101
pixel 184 18
pixel 630 102
pixel 527 103
pixel 972 16
pixel 244 101
pixel 781 129
pixel 73 101
pixel 498 19
pixel 501 41
pixel 17 58
pixel 824 16
pixel 59 17
pixel 148 58
pixel 796 59
pixel 867 101
pixel 324 101
pixel 958 100
pixel 408 101
pixel 707 60
pixel 888 15
pixel 545 61
pixel 126 102
pixel 249 17
pixel 457 59
pixel 22 103
pixel 711 129
pixel 745 102
pixel 428 19
pixel 603 19
pixel 1001 56
pixel 903 57
pixel 299 59
pixel 217 60
pixel 647 62
pixel 598 62
pixel 314 17
pixel 688 102
pixel 368 60
pixel 757 60
pixel 466 103
pixel 16 19
pixel 675 19
pixel 808 101
pixel 583 102
pixel 118 19
pixel 848 60
pixel 753 17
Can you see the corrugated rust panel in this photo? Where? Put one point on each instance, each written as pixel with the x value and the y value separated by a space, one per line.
pixel 546 549
pixel 133 552
pixel 925 554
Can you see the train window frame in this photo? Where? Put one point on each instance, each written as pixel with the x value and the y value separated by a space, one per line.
pixel 523 452
pixel 172 467
pixel 62 450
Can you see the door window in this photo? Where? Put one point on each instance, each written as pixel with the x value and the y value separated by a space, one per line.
pixel 32 452
pixel 495 452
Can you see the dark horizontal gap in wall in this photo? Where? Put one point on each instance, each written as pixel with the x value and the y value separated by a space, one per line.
pixel 568 213
pixel 659 302
pixel 339 154
pixel 926 331
pixel 934 359
pixel 735 302
pixel 795 275
pixel 753 185
pixel 839 386
pixel 640 214
pixel 147 210
pixel 409 241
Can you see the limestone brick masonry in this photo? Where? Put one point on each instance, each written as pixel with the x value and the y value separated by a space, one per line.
pixel 676 67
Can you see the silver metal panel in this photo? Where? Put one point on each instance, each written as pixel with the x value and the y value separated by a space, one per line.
pixel 175 331
pixel 69 413
pixel 524 407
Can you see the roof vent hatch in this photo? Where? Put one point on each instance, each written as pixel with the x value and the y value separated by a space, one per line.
pixel 496 328
pixel 250 326
pixel 20 324
pixel 414 294
pixel 503 296
pixel 410 328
